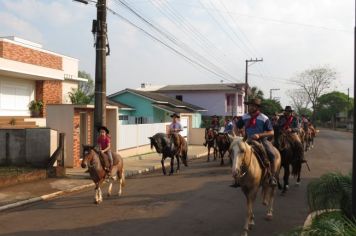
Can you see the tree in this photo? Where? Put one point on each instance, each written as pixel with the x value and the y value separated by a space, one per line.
pixel 271 106
pixel 314 82
pixel 255 93
pixel 85 92
pixel 331 104
pixel 300 100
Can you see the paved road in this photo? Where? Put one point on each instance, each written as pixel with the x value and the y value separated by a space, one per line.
pixel 198 201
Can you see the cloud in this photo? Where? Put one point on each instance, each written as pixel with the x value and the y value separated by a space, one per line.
pixel 11 25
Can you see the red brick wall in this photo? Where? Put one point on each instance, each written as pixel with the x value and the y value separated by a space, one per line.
pixel 27 55
pixel 76 138
pixel 76 133
pixel 50 92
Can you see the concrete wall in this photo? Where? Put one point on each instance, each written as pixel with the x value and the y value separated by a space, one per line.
pixel 27 146
pixel 136 151
pixel 60 118
pixel 196 136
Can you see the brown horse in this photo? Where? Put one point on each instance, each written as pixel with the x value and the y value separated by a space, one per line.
pixel 210 139
pixel 223 143
pixel 247 170
pixel 98 174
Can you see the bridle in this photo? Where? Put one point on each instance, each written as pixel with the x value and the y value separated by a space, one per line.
pixel 243 165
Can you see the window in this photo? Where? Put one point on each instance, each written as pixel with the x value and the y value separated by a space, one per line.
pixel 141 120
pixel 179 97
pixel 123 117
pixel 230 102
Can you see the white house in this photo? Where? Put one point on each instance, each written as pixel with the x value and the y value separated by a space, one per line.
pixel 218 99
pixel 29 72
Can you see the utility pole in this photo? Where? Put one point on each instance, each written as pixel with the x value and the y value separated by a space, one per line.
pixel 246 78
pixel 270 92
pixel 353 205
pixel 99 30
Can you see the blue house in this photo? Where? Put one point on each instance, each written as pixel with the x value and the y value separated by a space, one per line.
pixel 142 107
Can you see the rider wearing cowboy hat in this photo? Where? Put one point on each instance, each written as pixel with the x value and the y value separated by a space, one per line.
pixel 174 128
pixel 104 143
pixel 258 127
pixel 289 123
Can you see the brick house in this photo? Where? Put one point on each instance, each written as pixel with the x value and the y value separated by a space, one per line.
pixel 29 72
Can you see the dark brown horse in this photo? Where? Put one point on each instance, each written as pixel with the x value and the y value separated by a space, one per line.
pixel 92 160
pixel 292 153
pixel 210 139
pixel 223 144
pixel 172 147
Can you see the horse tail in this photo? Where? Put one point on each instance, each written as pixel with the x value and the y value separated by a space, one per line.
pixel 298 154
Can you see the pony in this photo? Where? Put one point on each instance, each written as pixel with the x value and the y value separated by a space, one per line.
pixel 178 149
pixel 210 140
pixel 249 173
pixel 223 144
pixel 292 153
pixel 92 160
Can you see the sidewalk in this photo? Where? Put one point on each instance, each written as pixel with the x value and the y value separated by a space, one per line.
pixel 77 179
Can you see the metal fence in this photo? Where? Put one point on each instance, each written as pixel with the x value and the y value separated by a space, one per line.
pixel 131 136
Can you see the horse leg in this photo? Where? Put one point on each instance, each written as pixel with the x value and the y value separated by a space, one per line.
pixel 162 162
pixel 298 179
pixel 222 158
pixel 178 164
pixel 96 196
pixel 110 187
pixel 215 153
pixel 172 164
pixel 269 215
pixel 100 195
pixel 286 178
pixel 208 153
pixel 121 181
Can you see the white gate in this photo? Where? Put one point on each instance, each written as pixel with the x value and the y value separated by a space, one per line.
pixel 184 121
pixel 131 136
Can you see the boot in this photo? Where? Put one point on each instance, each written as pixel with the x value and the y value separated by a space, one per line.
pixel 272 180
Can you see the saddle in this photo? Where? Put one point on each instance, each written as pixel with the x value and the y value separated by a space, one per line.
pixel 262 157
pixel 178 141
pixel 104 159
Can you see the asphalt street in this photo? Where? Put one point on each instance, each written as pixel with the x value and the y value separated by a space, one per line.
pixel 197 201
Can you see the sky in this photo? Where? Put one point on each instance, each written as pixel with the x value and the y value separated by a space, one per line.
pixel 213 39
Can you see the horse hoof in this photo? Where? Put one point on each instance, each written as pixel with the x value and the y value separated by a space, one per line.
pixel 297 184
pixel 287 187
pixel 269 217
pixel 244 233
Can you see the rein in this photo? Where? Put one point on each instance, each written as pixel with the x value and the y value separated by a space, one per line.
pixel 247 166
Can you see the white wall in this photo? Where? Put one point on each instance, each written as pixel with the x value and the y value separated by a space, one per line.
pixel 68 86
pixel 131 136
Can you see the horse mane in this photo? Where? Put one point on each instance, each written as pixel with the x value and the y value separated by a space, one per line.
pixel 238 141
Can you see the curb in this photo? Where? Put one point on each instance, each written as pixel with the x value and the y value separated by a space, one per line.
pixel 78 188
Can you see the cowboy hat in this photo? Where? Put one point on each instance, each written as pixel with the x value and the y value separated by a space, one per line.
pixel 103 128
pixel 254 101
pixel 175 115
pixel 288 109
pixel 214 116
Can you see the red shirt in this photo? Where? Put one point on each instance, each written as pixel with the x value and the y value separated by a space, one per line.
pixel 103 141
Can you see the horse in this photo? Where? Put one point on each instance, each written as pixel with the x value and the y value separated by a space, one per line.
pixel 92 160
pixel 177 149
pixel 210 140
pixel 223 144
pixel 249 173
pixel 292 154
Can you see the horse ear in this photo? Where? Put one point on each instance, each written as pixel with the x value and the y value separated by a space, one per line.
pixel 231 138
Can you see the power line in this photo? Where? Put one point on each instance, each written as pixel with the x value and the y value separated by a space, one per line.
pixel 192 61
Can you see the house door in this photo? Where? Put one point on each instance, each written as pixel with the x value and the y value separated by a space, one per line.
pixel 83 129
pixel 184 121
